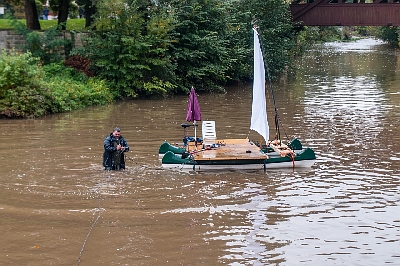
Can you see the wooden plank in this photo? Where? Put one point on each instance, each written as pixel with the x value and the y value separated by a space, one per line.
pixel 231 149
pixel 192 147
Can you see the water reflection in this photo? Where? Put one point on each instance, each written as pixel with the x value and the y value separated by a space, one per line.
pixel 344 104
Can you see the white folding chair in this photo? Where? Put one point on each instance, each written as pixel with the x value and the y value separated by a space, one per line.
pixel 209 134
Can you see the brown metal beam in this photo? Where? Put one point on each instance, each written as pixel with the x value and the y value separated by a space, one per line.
pixel 308 7
pixel 323 13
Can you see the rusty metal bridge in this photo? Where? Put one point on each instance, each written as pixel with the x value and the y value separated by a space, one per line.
pixel 346 13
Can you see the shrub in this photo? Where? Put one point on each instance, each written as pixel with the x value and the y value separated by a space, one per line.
pixel 30 90
pixel 389 34
pixel 73 90
pixel 22 90
pixel 128 49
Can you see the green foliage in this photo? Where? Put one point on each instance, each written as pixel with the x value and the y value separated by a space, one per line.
pixel 306 37
pixel 39 7
pixel 29 90
pixel 240 38
pixel 274 21
pixel 367 30
pixel 72 90
pixel 201 49
pixel 73 10
pixel 398 37
pixel 329 34
pixel 363 30
pixel 46 45
pixel 55 7
pixel 389 34
pixel 22 90
pixel 144 49
pixel 128 49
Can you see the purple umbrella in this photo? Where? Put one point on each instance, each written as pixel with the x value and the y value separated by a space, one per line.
pixel 193 110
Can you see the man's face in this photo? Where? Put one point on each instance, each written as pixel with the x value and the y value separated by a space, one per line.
pixel 117 134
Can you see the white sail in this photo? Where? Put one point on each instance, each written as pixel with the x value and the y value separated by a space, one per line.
pixel 259 120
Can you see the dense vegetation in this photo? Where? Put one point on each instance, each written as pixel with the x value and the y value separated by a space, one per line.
pixel 142 48
pixel 389 34
pixel 29 90
pixel 145 49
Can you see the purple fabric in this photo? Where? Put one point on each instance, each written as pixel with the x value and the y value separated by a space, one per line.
pixel 193 110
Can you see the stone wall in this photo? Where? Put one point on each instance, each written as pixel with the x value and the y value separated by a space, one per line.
pixel 9 39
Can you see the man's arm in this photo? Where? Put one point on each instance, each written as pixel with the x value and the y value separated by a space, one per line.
pixel 125 145
pixel 108 146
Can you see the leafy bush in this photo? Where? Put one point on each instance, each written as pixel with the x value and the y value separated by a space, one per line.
pixel 389 34
pixel 73 90
pixel 276 29
pixel 128 50
pixel 22 90
pixel 29 90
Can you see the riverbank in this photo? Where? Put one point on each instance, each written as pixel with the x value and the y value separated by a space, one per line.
pixel 28 89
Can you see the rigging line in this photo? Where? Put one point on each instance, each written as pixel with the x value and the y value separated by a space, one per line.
pixel 143 166
pixel 91 228
pixel 269 105
pixel 127 157
pixel 269 83
pixel 279 118
pixel 280 122
pixel 284 131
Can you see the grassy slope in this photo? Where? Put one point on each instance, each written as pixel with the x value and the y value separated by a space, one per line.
pixel 75 24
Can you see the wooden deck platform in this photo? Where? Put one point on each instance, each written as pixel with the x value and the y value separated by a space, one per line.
pixel 229 149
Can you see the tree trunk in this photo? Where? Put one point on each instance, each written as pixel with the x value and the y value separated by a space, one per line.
pixel 90 11
pixel 63 14
pixel 31 15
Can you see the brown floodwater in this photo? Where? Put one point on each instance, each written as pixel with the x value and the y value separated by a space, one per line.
pixel 59 207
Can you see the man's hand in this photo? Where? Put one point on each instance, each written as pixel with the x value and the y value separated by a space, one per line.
pixel 120 148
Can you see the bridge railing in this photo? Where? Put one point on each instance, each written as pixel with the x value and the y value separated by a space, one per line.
pixel 346 12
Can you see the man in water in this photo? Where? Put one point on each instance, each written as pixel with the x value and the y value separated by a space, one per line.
pixel 114 147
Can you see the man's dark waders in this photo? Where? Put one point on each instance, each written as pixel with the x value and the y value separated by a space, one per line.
pixel 117 156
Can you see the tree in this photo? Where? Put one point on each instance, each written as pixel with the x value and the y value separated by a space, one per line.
pixel 128 48
pixel 63 13
pixel 90 10
pixel 61 7
pixel 389 34
pixel 239 35
pixel 200 50
pixel 31 15
pixel 276 28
